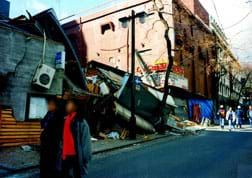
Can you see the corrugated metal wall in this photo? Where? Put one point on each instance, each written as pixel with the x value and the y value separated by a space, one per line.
pixel 20 54
pixel 13 133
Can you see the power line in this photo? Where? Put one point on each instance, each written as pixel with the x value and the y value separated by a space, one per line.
pixel 217 14
pixel 241 20
pixel 103 5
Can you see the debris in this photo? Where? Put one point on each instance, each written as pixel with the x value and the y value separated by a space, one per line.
pixel 26 148
pixel 124 134
pixel 113 135
pixel 140 122
pixel 104 89
pixel 103 136
pixel 94 139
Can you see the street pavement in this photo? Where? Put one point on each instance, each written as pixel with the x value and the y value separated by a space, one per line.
pixel 209 155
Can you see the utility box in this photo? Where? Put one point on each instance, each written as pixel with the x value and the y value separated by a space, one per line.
pixel 44 76
pixel 60 60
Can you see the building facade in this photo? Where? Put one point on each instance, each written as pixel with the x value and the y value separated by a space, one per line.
pixel 105 37
pixel 229 74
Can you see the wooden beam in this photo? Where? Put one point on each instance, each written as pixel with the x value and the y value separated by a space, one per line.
pixel 20 133
pixel 2 130
pixel 18 136
pixel 21 126
pixel 18 144
pixel 18 140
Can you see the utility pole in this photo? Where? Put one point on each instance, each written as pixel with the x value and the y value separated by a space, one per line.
pixel 132 118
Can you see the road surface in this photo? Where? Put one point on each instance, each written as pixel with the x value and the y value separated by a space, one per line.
pixel 212 154
pixel 209 155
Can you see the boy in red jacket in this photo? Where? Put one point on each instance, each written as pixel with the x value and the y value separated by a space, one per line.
pixel 76 150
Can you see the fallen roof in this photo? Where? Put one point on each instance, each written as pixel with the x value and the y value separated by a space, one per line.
pixel 48 20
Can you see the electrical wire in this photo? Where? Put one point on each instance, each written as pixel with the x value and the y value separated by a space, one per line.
pixel 106 4
pixel 217 14
pixel 238 22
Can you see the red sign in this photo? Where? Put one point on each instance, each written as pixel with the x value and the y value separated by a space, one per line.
pixel 162 67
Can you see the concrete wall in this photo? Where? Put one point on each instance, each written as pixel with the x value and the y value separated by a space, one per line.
pixel 189 36
pixel 20 54
pixel 114 47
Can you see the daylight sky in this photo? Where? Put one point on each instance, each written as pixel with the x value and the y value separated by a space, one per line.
pixel 234 16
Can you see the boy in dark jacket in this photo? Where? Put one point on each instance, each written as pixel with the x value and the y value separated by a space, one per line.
pixel 76 148
pixel 52 126
pixel 239 116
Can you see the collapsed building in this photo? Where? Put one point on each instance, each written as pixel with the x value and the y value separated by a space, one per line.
pixel 105 37
pixel 91 57
pixel 37 59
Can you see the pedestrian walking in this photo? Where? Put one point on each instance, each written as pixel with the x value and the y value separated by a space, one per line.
pixel 221 114
pixel 249 115
pixel 52 126
pixel 239 117
pixel 76 150
pixel 230 117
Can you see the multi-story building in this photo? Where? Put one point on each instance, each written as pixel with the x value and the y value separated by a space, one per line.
pixel 105 37
pixel 228 73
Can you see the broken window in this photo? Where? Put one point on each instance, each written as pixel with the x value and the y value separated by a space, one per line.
pixel 107 26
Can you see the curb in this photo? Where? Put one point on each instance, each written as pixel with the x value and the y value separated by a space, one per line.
pixel 12 171
pixel 130 144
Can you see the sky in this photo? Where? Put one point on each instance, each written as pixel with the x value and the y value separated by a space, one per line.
pixel 234 16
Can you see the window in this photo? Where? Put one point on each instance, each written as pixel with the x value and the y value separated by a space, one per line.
pixel 201 54
pixel 107 26
pixel 192 30
pixel 37 107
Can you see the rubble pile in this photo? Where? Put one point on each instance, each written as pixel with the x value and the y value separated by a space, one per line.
pixel 112 109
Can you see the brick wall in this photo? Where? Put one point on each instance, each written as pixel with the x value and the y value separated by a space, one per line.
pixel 200 11
pixel 193 44
pixel 197 9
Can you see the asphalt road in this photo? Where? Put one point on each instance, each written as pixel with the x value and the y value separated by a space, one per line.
pixel 209 155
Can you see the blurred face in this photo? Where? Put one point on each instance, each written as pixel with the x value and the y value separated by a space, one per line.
pixel 51 106
pixel 230 109
pixel 66 95
pixel 250 107
pixel 70 107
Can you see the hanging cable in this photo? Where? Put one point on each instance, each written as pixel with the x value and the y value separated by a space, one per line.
pixel 217 14
pixel 238 22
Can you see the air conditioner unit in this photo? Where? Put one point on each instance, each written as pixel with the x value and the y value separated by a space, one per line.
pixel 43 76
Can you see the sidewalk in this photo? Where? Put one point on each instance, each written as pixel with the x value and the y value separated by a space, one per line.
pixel 245 128
pixel 15 159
